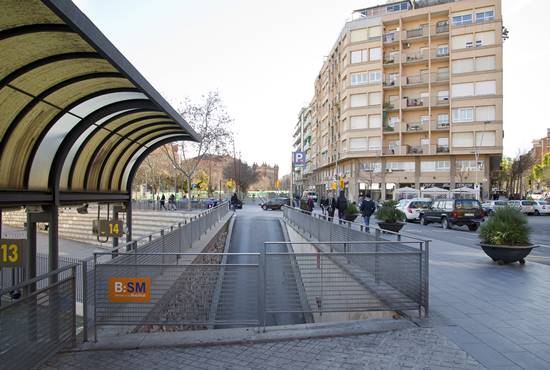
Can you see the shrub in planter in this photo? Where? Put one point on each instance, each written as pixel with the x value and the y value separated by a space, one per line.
pixel 505 236
pixel 506 226
pixel 351 212
pixel 390 217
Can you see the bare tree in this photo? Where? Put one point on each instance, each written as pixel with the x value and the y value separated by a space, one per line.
pixel 211 121
pixel 154 169
pixel 246 174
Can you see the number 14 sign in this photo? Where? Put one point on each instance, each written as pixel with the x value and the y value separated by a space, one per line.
pixel 13 252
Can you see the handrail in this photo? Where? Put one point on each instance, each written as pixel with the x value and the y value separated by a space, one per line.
pixel 359 224
pixel 37 278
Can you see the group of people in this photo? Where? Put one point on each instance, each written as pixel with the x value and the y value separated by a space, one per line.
pixel 329 205
pixel 171 202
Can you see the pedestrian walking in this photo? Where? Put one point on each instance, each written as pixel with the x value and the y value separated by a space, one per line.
pixel 367 210
pixel 310 204
pixel 172 202
pixel 162 202
pixel 322 205
pixel 341 204
pixel 331 208
pixel 234 201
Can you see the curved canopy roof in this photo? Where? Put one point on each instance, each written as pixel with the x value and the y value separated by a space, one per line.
pixel 75 116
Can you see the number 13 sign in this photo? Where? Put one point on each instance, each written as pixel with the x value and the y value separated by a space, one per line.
pixel 13 252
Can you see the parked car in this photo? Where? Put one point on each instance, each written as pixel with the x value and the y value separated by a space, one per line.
pixel 451 212
pixel 275 203
pixel 525 206
pixel 491 205
pixel 542 208
pixel 412 207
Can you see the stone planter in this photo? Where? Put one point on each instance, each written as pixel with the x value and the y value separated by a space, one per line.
pixel 391 226
pixel 503 254
pixel 350 217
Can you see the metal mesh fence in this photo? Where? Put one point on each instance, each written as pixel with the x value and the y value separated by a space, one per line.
pixel 40 322
pixel 396 268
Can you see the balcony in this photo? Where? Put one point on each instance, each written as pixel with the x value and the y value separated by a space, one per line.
pixel 391 59
pixel 415 149
pixel 391 150
pixel 440 77
pixel 440 101
pixel 441 28
pixel 441 125
pixel 391 82
pixel 416 126
pixel 390 37
pixel 417 79
pixel 390 106
pixel 414 57
pixel 414 102
pixel 442 149
pixel 416 33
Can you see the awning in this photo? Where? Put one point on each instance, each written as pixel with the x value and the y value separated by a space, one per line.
pixel 75 116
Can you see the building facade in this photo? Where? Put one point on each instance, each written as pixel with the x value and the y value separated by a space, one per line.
pixel 410 96
pixel 302 143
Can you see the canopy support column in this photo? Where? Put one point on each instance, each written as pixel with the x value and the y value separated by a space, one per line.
pixel 53 241
pixel 116 209
pixel 30 271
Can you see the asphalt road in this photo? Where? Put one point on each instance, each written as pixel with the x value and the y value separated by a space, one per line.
pixel 239 292
pixel 540 235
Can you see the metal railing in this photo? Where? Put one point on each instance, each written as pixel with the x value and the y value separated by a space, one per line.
pixel 180 205
pixel 37 322
pixel 414 285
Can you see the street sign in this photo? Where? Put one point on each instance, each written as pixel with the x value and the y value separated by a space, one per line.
pixel 112 228
pixel 129 289
pixel 13 252
pixel 298 159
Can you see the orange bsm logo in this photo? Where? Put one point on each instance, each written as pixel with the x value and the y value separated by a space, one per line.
pixel 133 290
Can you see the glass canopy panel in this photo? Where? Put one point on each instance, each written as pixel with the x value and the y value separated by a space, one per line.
pixel 138 154
pixel 74 149
pixel 50 144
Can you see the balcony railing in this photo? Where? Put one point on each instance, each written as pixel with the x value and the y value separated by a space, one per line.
pixel 415 149
pixel 417 32
pixel 390 37
pixel 442 149
pixel 442 28
pixel 417 79
pixel 390 105
pixel 415 126
pixel 388 82
pixel 440 77
pixel 415 56
pixel 440 101
pixel 391 150
pixel 390 59
pixel 442 125
pixel 418 102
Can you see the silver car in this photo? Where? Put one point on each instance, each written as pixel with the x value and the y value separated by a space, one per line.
pixel 525 206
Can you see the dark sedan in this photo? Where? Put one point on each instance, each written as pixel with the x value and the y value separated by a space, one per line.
pixel 275 203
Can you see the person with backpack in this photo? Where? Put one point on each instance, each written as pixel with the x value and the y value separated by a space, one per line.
pixel 367 210
pixel 163 202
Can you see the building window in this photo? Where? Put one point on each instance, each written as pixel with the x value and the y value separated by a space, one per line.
pixel 358 122
pixel 463 65
pixel 486 138
pixel 375 76
pixel 358 144
pixel 442 95
pixel 372 166
pixel 435 166
pixel 358 100
pixel 485 15
pixel 486 87
pixel 461 20
pixel 375 54
pixel 375 121
pixel 375 98
pixel 374 32
pixel 443 119
pixel 463 139
pixel 485 38
pixel 468 165
pixel 359 35
pixel 462 41
pixel 400 166
pixel 463 114
pixel 359 78
pixel 462 90
pixel 443 50
pixel 356 56
pixel 487 63
pixel 486 113
pixel 374 143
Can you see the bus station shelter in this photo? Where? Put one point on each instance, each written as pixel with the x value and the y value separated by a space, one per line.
pixel 76 118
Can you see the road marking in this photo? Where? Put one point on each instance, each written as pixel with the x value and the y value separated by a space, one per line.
pixel 542 245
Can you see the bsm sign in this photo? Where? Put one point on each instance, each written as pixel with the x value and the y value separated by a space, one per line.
pixel 132 290
pixel 298 158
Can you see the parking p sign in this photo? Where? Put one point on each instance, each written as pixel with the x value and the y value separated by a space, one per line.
pixel 298 158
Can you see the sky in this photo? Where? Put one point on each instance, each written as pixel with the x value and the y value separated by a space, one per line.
pixel 263 57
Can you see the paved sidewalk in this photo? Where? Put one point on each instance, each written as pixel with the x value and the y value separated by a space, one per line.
pixel 498 314
pixel 418 348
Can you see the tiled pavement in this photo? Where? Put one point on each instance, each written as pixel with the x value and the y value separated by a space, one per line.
pixel 498 314
pixel 418 348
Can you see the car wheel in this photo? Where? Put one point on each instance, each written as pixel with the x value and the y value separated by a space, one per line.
pixel 264 207
pixel 473 227
pixel 422 220
pixel 537 213
pixel 445 223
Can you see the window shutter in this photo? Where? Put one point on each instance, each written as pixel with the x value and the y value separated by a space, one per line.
pixel 486 138
pixel 463 139
pixel 486 87
pixel 358 144
pixel 359 35
pixel 358 122
pixel 486 113
pixel 358 100
pixel 375 121
pixel 463 65
pixel 460 42
pixel 485 38
pixel 375 98
pixel 465 89
pixel 485 63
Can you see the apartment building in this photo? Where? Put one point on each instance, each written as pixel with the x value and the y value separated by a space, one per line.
pixel 411 96
pixel 302 143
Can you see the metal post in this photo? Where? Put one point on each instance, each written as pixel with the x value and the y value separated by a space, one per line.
pixel 53 241
pixel 31 260
pixel 73 294
pixel 115 218
pixel 129 224
pixel 377 236
pixel 85 300
pixel 95 299
pixel 426 278
pixel 162 245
